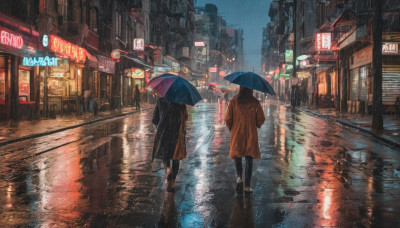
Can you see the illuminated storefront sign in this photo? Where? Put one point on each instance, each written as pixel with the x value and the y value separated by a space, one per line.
pixel 11 39
pixel 323 42
pixel 40 61
pixel 138 44
pixel 199 44
pixel 137 73
pixel 67 49
pixel 289 56
pixel 390 48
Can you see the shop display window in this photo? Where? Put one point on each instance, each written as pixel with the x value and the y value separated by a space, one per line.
pixel 24 85
pixel 2 86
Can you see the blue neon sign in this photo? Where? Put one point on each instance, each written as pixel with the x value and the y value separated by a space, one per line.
pixel 40 61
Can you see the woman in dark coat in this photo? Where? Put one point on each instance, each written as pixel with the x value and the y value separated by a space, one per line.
pixel 169 143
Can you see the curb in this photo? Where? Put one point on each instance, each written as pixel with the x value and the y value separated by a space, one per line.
pixel 371 134
pixel 368 133
pixel 8 142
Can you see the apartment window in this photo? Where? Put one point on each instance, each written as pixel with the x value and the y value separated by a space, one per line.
pixel 61 7
pixel 94 19
pixel 118 23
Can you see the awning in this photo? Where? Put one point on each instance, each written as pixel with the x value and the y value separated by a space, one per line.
pixel 138 61
pixel 91 60
pixel 106 65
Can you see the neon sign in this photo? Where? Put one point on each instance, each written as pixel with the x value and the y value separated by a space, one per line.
pixel 40 61
pixel 323 42
pixel 67 49
pixel 11 39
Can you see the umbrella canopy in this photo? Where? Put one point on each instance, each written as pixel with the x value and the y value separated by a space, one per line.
pixel 250 80
pixel 175 89
pixel 212 84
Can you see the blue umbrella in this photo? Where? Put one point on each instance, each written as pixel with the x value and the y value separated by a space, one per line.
pixel 175 89
pixel 250 80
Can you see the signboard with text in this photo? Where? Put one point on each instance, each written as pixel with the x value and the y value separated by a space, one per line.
pixel 67 49
pixel 323 42
pixel 390 48
pixel 138 44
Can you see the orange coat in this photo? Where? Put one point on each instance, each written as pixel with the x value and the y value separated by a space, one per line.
pixel 243 121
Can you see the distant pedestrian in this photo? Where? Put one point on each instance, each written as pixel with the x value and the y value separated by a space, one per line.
pixel 243 116
pixel 136 97
pixel 226 96
pixel 169 142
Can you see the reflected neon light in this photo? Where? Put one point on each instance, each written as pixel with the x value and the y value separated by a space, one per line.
pixel 40 61
pixel 12 40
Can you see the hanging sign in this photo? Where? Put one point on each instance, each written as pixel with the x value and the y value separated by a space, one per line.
pixel 323 42
pixel 11 39
pixel 39 61
pixel 115 54
pixel 67 49
pixel 138 44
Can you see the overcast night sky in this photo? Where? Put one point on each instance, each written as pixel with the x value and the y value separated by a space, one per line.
pixel 251 16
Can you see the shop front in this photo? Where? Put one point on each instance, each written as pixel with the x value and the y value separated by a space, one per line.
pixel 18 83
pixel 360 81
pixel 61 83
pixel 107 71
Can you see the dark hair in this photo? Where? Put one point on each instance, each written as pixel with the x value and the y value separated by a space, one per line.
pixel 245 95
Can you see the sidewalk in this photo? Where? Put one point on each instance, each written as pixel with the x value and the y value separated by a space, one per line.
pixel 16 131
pixel 390 135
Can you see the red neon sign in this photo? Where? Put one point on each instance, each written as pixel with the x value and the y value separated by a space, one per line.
pixel 11 39
pixel 323 42
pixel 68 49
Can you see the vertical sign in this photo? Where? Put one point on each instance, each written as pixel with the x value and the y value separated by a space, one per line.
pixel 323 42
pixel 138 44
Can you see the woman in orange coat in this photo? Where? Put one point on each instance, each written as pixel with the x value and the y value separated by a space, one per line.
pixel 243 116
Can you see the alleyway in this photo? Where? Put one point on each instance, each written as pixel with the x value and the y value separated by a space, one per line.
pixel 312 172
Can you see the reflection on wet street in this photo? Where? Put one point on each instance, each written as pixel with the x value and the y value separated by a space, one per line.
pixel 312 173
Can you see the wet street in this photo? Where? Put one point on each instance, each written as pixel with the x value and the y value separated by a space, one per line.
pixel 312 173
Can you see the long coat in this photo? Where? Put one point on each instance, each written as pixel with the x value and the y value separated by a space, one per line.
pixel 170 119
pixel 243 121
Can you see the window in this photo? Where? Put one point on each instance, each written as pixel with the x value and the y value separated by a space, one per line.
pixel 93 25
pixel 118 23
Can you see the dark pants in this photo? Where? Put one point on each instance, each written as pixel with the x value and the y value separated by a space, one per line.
pixel 247 171
pixel 137 104
pixel 175 167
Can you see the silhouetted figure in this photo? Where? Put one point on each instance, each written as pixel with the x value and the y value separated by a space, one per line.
pixel 136 97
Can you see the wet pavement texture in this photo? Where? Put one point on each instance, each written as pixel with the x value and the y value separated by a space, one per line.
pixel 312 173
pixel 11 131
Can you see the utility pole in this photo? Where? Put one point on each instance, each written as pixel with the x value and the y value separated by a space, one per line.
pixel 377 106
